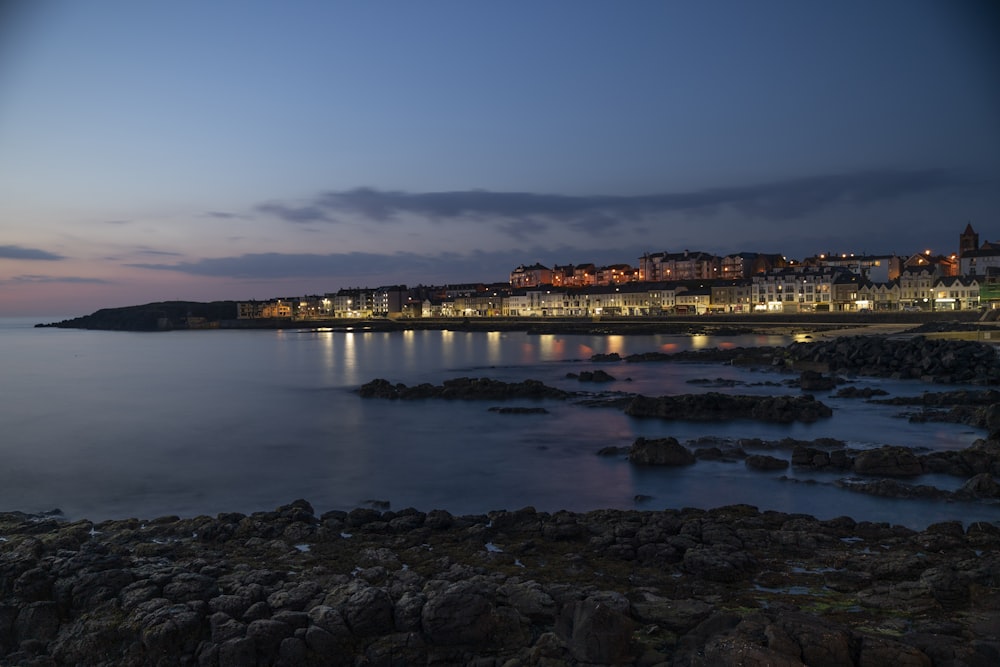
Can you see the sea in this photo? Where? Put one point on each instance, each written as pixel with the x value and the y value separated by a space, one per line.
pixel 102 425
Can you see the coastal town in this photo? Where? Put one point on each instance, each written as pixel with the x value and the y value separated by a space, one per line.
pixel 683 283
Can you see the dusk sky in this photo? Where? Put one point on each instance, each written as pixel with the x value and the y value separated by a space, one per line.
pixel 234 150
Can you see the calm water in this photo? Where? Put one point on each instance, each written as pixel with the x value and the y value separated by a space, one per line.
pixel 110 425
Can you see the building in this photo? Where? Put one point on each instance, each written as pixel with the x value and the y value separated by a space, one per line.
pixel 732 296
pixel 968 241
pixel 685 265
pixel 916 286
pixel 799 289
pixel 615 274
pixel 530 276
pixel 876 268
pixel 989 288
pixel 978 262
pixel 693 301
pixel 845 292
pixel 388 300
pixel 956 293
pixel 352 303
pixel 278 309
pixel 943 265
pixel 879 296
pixel 746 264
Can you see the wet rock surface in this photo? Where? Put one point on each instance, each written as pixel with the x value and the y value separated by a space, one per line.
pixel 730 586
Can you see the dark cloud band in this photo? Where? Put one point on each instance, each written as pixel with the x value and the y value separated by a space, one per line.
pixel 782 200
pixel 18 252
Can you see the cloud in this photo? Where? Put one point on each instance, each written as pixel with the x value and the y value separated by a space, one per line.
pixel 223 215
pixel 521 229
pixel 31 278
pixel 388 268
pixel 18 252
pixel 157 253
pixel 296 214
pixel 592 214
pixel 292 265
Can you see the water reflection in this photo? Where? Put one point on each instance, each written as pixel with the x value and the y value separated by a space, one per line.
pixel 493 352
pixel 244 421
pixel 700 342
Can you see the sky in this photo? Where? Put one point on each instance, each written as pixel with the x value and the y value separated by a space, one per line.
pixel 248 150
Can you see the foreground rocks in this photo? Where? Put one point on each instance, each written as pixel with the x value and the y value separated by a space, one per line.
pixel 730 586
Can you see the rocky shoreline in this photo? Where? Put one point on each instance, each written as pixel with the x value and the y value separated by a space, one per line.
pixel 729 586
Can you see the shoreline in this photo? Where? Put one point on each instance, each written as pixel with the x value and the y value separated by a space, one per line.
pixel 657 587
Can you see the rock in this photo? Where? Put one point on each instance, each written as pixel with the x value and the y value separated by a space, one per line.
pixel 188 586
pixel 720 563
pixel 369 612
pixel 595 376
pixel 519 411
pixel 660 452
pixel 462 389
pixel 594 632
pixel 815 381
pixel 992 419
pixel 945 361
pixel 677 616
pixel 461 613
pixel 765 462
pixel 713 406
pixel 530 600
pixel 888 461
pixel 865 392
pixel 982 486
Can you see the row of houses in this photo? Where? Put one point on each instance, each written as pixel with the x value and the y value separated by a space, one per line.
pixel 800 289
pixel 684 283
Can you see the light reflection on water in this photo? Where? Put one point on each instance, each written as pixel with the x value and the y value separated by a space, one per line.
pixel 112 424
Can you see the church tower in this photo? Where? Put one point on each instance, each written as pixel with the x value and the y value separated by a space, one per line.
pixel 968 240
